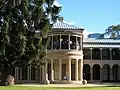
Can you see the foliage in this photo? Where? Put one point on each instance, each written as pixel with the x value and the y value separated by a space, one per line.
pixel 112 31
pixel 24 25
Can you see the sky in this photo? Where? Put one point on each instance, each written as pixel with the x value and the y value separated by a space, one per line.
pixel 92 15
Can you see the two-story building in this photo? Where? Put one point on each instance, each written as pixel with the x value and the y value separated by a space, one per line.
pixel 72 58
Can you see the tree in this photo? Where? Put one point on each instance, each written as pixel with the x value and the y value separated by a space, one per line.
pixel 24 25
pixel 113 31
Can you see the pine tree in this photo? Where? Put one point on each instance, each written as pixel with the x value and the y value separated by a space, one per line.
pixel 24 25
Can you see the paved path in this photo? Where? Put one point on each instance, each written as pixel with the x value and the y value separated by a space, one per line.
pixel 70 85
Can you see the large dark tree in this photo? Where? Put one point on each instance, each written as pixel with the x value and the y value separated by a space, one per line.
pixel 24 25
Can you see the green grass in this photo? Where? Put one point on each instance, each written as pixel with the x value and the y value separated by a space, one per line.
pixel 58 88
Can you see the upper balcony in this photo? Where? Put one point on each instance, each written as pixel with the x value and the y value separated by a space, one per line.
pixel 65 37
pixel 63 41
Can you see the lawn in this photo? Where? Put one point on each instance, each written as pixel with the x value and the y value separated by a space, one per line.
pixel 58 88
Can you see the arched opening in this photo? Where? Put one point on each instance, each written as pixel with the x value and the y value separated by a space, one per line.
pixel 49 71
pixel 33 73
pixel 106 72
pixel 96 72
pixel 24 72
pixel 86 71
pixel 115 70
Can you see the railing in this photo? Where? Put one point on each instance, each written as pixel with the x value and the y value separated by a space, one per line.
pixel 64 46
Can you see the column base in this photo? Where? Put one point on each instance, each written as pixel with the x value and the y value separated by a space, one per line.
pixel 46 82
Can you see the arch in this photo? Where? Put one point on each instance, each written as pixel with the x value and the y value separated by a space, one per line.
pixel 106 72
pixel 96 72
pixel 24 72
pixel 86 71
pixel 115 70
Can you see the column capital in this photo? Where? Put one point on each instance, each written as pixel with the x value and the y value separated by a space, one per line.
pixel 91 48
pixel 101 48
pixel 110 49
pixel 76 59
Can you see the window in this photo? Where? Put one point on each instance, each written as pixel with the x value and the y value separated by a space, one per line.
pixel 64 42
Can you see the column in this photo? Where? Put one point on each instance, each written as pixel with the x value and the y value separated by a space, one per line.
pixel 46 74
pixel 16 72
pixel 81 44
pixel 101 53
pixel 101 74
pixel 91 53
pixel 60 69
pixel 91 74
pixel 110 54
pixel 76 43
pixel 60 40
pixel 69 41
pixel 111 74
pixel 81 70
pixel 52 71
pixel 76 68
pixel 69 64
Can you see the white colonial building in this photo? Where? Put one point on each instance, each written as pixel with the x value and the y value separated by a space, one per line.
pixel 72 58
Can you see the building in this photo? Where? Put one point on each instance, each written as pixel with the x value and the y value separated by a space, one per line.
pixel 101 59
pixel 72 58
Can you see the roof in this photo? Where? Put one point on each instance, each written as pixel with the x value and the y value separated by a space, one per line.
pixel 101 46
pixel 100 43
pixel 64 26
pixel 92 40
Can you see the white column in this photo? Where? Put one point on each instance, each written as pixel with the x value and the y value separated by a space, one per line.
pixel 69 64
pixel 52 71
pixel 46 74
pixel 81 70
pixel 101 53
pixel 76 43
pixel 28 73
pixel 76 70
pixel 60 69
pixel 69 41
pixel 16 73
pixel 110 54
pixel 91 74
pixel 91 53
pixel 60 41
pixel 81 44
